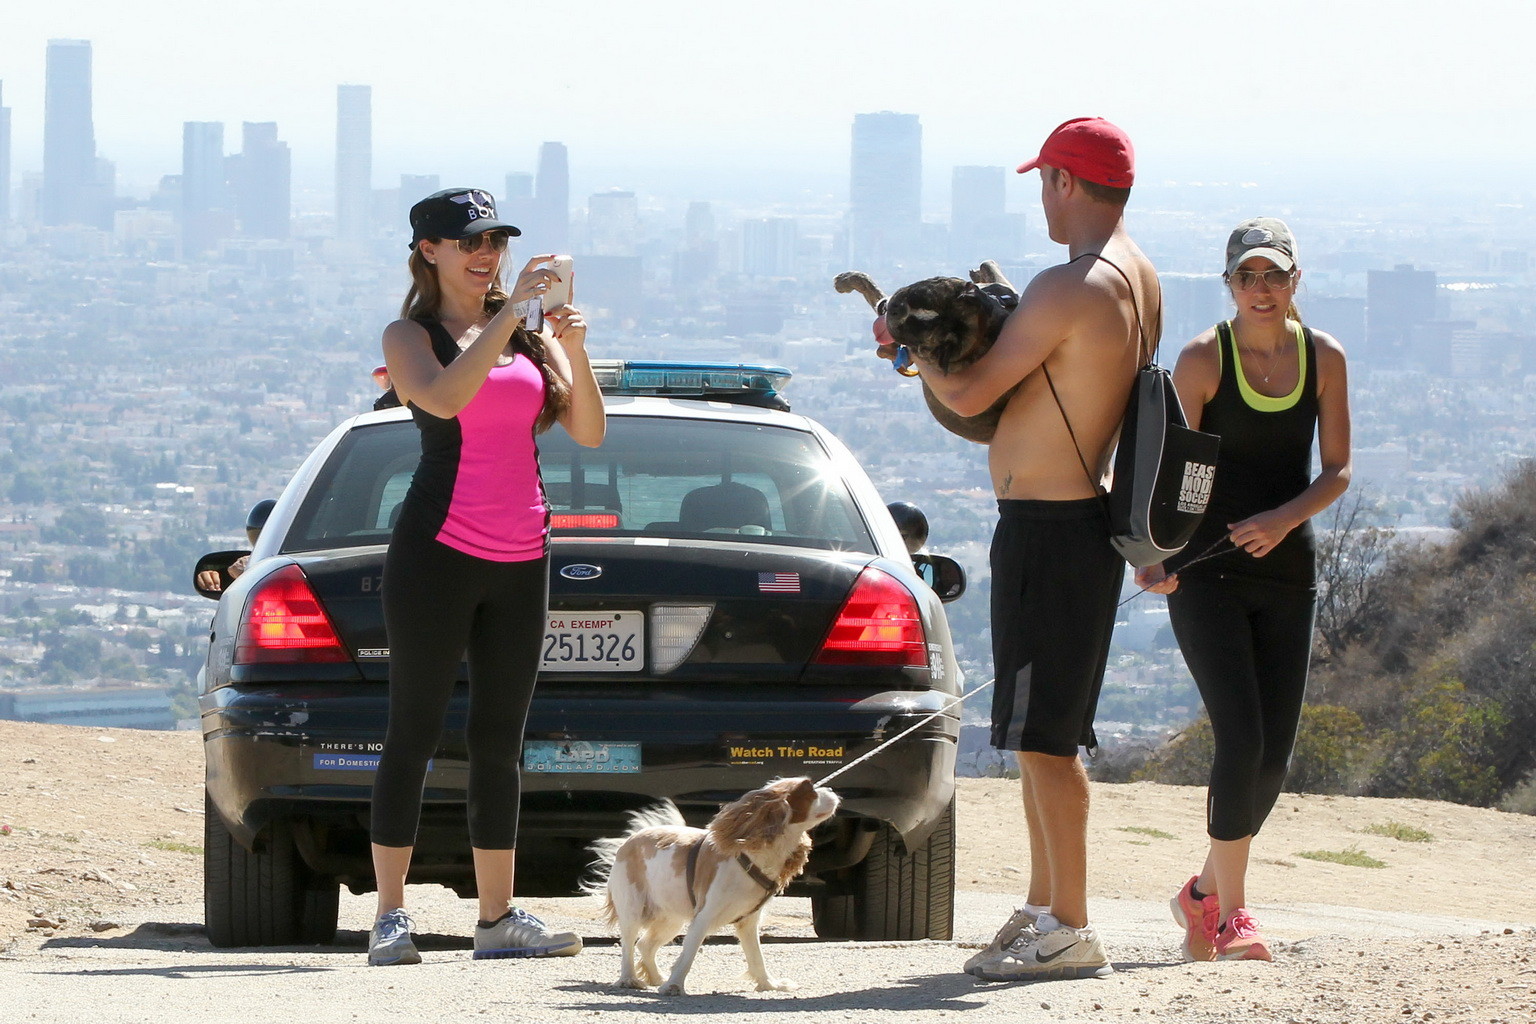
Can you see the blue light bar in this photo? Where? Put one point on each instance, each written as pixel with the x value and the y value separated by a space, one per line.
pixel 742 382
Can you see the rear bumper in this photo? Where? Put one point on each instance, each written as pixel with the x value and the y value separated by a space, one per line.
pixel 305 755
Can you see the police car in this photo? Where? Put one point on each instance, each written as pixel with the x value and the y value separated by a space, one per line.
pixel 730 601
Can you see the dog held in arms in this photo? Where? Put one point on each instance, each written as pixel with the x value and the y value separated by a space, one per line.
pixel 663 876
pixel 948 322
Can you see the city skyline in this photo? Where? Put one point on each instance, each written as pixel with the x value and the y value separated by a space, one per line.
pixel 760 99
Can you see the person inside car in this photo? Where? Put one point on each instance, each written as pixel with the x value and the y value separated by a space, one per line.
pixel 466 576
pixel 255 519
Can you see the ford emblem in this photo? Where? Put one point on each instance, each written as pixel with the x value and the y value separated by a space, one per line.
pixel 581 571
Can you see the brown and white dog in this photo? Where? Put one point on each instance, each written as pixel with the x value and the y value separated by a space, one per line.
pixel 663 876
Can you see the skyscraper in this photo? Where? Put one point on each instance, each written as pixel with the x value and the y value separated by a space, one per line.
pixel 5 158
pixel 885 188
pixel 613 224
pixel 979 226
pixel 413 189
pixel 354 160
pixel 205 209
pixel 552 200
pixel 262 182
pixel 73 192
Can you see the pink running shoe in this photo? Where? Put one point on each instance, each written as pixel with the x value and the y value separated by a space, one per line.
pixel 1198 919
pixel 1239 939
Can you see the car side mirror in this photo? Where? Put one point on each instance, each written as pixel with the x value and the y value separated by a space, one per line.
pixel 941 573
pixel 216 562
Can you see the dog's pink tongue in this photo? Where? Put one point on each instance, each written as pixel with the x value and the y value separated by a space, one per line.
pixel 882 336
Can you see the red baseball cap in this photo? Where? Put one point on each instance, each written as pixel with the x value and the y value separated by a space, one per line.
pixel 1090 148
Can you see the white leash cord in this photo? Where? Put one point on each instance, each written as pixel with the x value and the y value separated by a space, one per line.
pixel 907 731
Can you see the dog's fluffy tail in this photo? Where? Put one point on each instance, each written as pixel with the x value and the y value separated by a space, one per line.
pixel 606 850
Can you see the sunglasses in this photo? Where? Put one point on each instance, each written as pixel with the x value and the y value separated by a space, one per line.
pixel 1275 279
pixel 470 244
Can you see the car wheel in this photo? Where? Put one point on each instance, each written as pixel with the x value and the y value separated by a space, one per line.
pixel 266 898
pixel 894 894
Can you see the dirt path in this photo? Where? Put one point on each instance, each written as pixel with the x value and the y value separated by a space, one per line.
pixel 100 883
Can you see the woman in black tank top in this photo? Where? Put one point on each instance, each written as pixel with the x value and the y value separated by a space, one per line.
pixel 1243 617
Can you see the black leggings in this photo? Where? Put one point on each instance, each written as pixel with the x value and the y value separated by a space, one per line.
pixel 441 605
pixel 1247 642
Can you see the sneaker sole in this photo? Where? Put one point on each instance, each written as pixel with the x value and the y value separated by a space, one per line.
pixel 524 952
pixel 1048 974
pixel 1256 952
pixel 395 961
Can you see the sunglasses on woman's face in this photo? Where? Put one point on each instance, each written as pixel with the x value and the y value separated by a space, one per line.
pixel 470 244
pixel 1275 279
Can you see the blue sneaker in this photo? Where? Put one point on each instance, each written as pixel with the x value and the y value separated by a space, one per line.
pixel 389 942
pixel 518 933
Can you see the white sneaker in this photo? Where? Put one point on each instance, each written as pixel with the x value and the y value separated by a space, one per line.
pixel 1042 955
pixel 518 933
pixel 1023 919
pixel 389 941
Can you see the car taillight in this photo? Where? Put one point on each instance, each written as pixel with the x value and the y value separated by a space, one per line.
pixel 879 624
pixel 284 622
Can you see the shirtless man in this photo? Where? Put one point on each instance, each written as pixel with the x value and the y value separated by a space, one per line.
pixel 1083 326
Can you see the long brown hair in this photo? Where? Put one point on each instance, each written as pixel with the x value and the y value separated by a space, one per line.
pixel 424 299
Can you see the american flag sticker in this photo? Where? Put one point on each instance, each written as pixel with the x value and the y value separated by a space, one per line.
pixel 778 582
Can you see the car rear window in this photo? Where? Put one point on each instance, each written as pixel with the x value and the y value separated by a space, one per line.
pixel 652 476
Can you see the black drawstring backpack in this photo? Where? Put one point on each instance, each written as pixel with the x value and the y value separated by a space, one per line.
pixel 1163 469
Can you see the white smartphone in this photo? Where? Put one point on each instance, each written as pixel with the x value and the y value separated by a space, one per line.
pixel 559 293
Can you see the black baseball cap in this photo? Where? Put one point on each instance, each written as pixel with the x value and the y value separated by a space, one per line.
pixel 456 213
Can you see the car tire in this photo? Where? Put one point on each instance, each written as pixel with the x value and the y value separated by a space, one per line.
pixel 269 897
pixel 894 893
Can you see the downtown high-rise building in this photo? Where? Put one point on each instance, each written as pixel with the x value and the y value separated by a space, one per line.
pixel 413 189
pixel 5 158
pixel 77 187
pixel 206 214
pixel 261 180
pixel 979 225
pixel 551 230
pixel 354 161
pixel 884 189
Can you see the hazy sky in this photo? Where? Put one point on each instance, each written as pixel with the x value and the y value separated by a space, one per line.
pixel 768 91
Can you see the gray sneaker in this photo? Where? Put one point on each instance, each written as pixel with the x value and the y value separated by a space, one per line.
pixel 1021 921
pixel 518 933
pixel 389 942
pixel 1039 956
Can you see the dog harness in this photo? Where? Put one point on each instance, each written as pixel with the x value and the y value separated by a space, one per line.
pixel 753 872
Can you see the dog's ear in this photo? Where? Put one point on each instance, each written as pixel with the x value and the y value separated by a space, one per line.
pixel 801 799
pixel 757 819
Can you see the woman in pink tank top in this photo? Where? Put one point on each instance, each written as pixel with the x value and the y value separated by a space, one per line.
pixel 467 571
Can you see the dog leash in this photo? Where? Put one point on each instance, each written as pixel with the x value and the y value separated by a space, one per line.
pixel 906 732
pixel 1210 552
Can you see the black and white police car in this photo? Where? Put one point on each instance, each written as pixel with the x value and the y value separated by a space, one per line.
pixel 730 601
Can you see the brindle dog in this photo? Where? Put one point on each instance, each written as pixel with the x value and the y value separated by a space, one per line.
pixel 948 322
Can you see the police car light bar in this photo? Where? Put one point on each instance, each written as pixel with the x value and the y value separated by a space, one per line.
pixel 709 381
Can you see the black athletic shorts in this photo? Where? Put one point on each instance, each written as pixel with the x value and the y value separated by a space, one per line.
pixel 1055 585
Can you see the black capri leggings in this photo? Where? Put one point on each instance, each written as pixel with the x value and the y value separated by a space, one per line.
pixel 1248 643
pixel 441 605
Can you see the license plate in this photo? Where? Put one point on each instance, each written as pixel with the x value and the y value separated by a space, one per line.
pixel 580 757
pixel 594 642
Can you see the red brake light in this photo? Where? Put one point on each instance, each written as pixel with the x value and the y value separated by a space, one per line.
pixel 879 624
pixel 584 521
pixel 284 622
